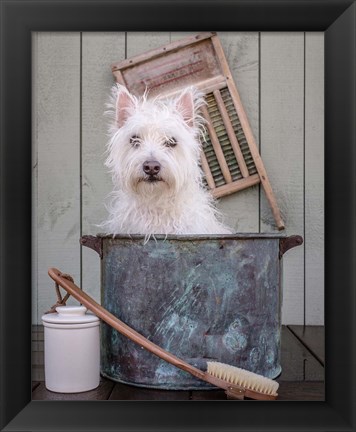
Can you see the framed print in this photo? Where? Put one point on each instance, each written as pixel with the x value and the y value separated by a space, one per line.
pixel 19 21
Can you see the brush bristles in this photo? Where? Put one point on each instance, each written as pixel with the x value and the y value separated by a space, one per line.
pixel 243 378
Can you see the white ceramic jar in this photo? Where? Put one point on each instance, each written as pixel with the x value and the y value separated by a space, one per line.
pixel 71 349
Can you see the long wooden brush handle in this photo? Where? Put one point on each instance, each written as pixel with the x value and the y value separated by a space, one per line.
pixel 121 327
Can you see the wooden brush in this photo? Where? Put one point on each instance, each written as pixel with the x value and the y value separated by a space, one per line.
pixel 237 383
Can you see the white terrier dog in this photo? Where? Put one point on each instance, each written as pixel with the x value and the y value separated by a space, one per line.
pixel 153 156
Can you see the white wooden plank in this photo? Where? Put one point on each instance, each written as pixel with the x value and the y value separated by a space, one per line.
pixel 314 178
pixel 140 42
pixel 57 88
pixel 99 51
pixel 34 234
pixel 282 151
pixel 241 210
pixel 242 53
pixel 175 36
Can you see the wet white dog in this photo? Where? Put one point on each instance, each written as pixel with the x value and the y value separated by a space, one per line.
pixel 153 156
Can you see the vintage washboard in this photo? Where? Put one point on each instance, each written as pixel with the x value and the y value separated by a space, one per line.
pixel 230 158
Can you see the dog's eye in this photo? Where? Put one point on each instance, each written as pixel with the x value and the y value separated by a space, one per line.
pixel 135 141
pixel 171 142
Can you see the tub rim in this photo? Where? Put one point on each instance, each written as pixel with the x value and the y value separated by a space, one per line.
pixel 285 242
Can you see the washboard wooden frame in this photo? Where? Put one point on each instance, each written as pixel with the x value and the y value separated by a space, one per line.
pixel 230 158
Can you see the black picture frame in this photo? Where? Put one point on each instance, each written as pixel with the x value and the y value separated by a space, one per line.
pixel 18 20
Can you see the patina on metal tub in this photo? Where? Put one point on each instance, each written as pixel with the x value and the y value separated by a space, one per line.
pixel 201 298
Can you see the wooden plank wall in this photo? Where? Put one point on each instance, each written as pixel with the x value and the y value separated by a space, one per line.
pixel 281 83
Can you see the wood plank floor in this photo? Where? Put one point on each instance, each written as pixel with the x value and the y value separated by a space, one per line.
pixel 302 377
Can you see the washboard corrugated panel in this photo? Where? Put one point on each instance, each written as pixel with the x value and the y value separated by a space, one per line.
pixel 230 157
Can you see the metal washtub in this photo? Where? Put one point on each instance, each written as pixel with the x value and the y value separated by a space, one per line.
pixel 199 297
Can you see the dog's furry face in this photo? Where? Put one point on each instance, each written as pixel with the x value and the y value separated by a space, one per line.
pixel 153 155
pixel 154 147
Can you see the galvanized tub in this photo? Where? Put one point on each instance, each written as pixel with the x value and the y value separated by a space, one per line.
pixel 201 298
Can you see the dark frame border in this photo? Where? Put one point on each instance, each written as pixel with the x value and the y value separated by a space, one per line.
pixel 18 19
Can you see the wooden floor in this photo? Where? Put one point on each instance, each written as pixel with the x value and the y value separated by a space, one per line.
pixel 302 378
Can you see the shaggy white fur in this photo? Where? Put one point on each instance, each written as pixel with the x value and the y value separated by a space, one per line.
pixel 153 156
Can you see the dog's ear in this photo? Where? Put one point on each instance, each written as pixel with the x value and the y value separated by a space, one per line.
pixel 125 103
pixel 186 106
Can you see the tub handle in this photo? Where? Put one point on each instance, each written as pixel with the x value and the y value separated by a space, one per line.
pixel 288 243
pixel 93 242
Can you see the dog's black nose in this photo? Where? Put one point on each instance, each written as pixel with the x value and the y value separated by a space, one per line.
pixel 151 167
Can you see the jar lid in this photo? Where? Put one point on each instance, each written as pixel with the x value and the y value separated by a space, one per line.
pixel 70 315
